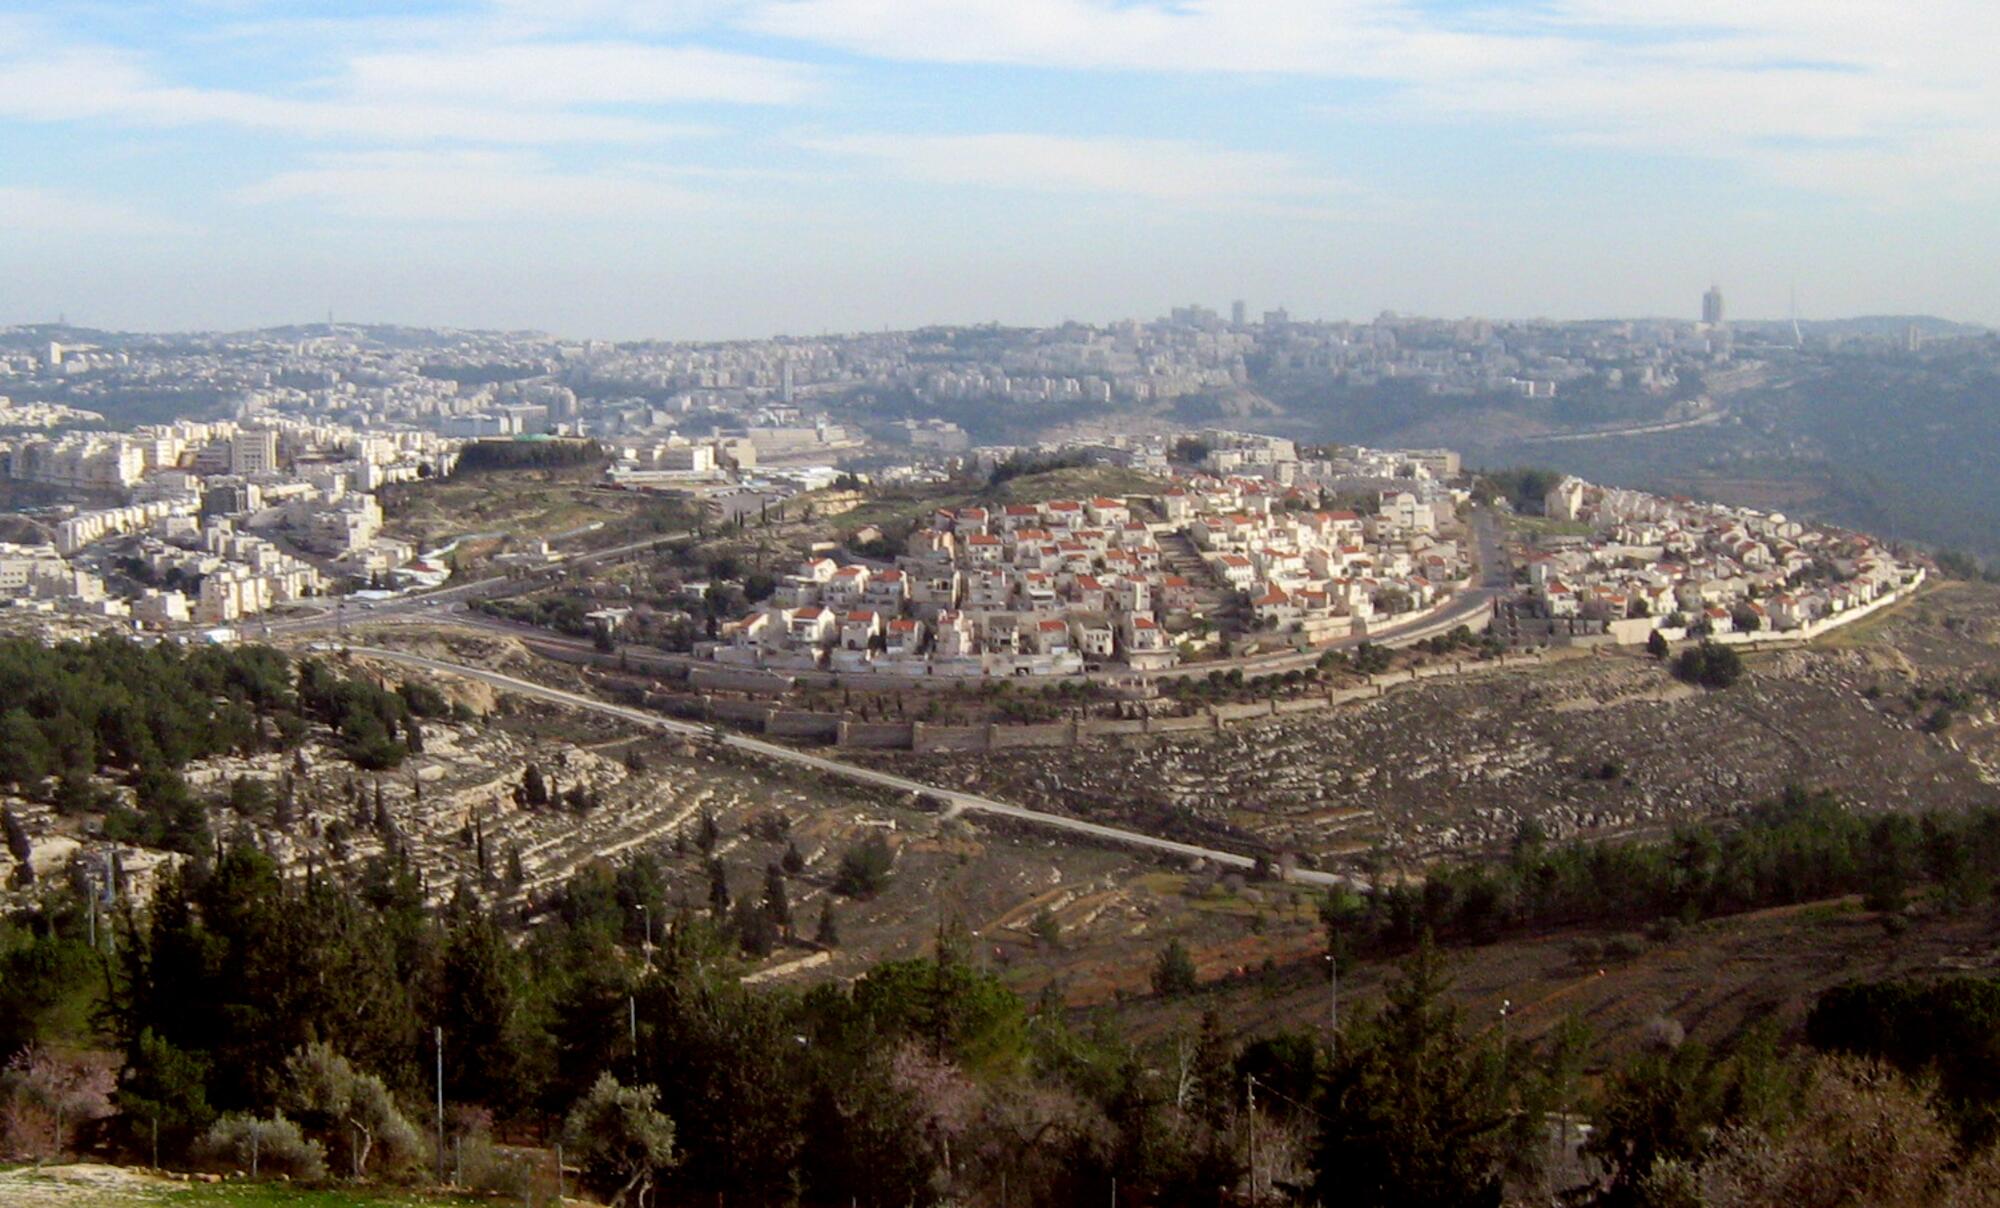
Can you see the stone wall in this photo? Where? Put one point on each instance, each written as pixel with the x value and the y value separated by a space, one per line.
pixel 925 737
pixel 1052 734
pixel 738 679
pixel 878 735
pixel 801 723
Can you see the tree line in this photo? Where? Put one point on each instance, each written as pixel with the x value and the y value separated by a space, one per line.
pixel 1801 846
pixel 76 710
pixel 291 1023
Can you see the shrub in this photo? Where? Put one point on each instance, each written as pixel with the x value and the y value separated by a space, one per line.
pixel 263 1147
pixel 351 1109
pixel 1174 972
pixel 1624 947
pixel 864 870
pixel 621 1138
pixel 483 1167
pixel 1709 665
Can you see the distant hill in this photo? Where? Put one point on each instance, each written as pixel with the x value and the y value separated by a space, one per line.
pixel 1881 327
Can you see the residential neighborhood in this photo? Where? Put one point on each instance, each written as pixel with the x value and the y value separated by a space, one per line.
pixel 1062 586
pixel 1633 563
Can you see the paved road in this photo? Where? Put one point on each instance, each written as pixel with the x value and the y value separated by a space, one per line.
pixel 333 613
pixel 953 798
pixel 1463 608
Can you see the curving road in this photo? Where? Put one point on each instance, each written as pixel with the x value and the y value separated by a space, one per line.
pixel 953 798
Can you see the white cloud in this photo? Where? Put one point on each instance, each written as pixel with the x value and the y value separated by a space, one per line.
pixel 1715 78
pixel 40 211
pixel 80 83
pixel 1158 169
pixel 470 187
pixel 1205 35
pixel 587 73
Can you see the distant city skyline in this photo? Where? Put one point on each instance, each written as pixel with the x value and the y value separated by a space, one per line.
pixel 721 169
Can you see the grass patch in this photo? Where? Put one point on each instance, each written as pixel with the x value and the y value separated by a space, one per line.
pixel 524 504
pixel 283 1195
pixel 1868 631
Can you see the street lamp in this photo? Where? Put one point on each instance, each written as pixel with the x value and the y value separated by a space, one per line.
pixel 647 915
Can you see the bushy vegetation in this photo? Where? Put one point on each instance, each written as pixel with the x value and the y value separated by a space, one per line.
pixel 487 456
pixel 1523 487
pixel 291 1019
pixel 143 713
pixel 1801 847
pixel 1709 665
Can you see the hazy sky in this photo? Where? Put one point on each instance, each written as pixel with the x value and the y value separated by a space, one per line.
pixel 705 168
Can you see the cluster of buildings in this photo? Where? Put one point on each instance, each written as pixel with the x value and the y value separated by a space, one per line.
pixel 467 385
pixel 216 522
pixel 1061 586
pixel 1649 562
pixel 1027 589
pixel 1324 573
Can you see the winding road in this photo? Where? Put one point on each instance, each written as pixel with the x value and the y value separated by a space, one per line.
pixel 956 800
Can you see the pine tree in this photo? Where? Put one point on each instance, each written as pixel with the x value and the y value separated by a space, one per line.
pixel 776 904
pixel 1214 1064
pixel 826 935
pixel 718 889
pixel 482 1012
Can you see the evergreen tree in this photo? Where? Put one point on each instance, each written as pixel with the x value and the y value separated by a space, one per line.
pixel 488 1058
pixel 718 889
pixel 1416 1114
pixel 1174 972
pixel 776 904
pixel 1214 1063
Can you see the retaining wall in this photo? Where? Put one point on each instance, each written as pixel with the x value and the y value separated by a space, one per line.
pixel 1093 728
pixel 1054 734
pixel 748 712
pixel 738 679
pixel 877 735
pixel 800 723
pixel 925 737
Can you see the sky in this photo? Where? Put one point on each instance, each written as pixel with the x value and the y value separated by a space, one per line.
pixel 698 169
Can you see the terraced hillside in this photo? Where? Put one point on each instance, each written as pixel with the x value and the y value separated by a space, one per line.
pixel 1592 746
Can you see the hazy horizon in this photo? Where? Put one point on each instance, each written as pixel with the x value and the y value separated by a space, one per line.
pixel 832 333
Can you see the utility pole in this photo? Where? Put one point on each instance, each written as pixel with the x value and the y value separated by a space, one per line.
pixel 439 1033
pixel 1250 1118
pixel 632 1019
pixel 1332 1004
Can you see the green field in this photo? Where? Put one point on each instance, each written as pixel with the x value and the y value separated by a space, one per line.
pixel 94 1186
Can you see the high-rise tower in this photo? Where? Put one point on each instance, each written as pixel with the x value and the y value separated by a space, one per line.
pixel 1711 305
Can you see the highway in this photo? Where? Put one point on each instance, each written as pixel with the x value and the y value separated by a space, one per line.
pixel 956 800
